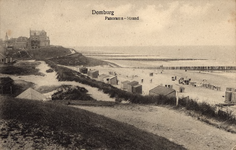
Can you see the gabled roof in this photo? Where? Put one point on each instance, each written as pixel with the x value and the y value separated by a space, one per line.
pixel 161 90
pixel 31 94
pixel 138 85
pixel 103 76
pixel 111 77
pixel 133 83
pixel 92 71
pixel 125 82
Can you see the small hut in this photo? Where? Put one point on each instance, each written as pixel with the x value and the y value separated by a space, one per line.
pixel 31 94
pixel 124 85
pixel 137 89
pixel 83 70
pixel 112 80
pixel 108 79
pixel 131 85
pixel 161 90
pixel 233 97
pixel 102 76
pixel 230 95
pixel 93 73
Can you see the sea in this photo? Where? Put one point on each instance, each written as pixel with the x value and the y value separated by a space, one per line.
pixel 151 56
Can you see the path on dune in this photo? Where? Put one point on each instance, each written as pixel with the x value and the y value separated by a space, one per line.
pixel 50 80
pixel 173 125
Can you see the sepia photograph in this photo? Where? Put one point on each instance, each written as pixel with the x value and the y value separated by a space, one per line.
pixel 118 75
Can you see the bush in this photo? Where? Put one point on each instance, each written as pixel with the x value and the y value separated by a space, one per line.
pixel 71 93
pixel 49 70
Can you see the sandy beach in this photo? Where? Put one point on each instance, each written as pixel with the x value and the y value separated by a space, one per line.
pixel 164 77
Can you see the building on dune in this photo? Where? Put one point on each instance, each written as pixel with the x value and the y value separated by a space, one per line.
pixel 108 79
pixel 83 70
pixel 124 85
pixel 230 95
pixel 38 39
pixel 134 87
pixel 165 91
pixel 21 43
pixel 130 86
pixel 16 43
pixel 137 89
pixel 93 73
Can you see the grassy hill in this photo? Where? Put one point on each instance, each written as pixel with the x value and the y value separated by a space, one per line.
pixel 42 53
pixel 45 124
pixel 57 54
pixel 49 52
pixel 77 59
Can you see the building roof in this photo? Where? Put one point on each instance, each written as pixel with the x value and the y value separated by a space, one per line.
pixel 133 83
pixel 37 32
pixel 137 85
pixel 31 94
pixel 92 71
pixel 22 39
pixel 161 90
pixel 125 82
pixel 111 77
pixel 103 76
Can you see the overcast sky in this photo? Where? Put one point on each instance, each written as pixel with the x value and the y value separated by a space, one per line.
pixel 161 22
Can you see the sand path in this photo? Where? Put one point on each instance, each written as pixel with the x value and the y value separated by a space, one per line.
pixel 173 125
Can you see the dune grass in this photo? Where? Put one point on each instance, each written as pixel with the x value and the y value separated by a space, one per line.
pixel 76 128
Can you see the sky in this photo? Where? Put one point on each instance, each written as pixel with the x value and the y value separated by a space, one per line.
pixel 161 22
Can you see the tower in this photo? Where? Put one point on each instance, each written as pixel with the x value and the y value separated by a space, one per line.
pixel 6 37
pixel 6 40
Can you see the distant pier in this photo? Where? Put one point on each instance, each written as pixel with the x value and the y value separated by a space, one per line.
pixel 199 68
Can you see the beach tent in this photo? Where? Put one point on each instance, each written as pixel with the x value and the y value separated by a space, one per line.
pixel 161 90
pixel 31 94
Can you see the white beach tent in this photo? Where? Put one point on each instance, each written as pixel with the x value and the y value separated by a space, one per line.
pixel 31 94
